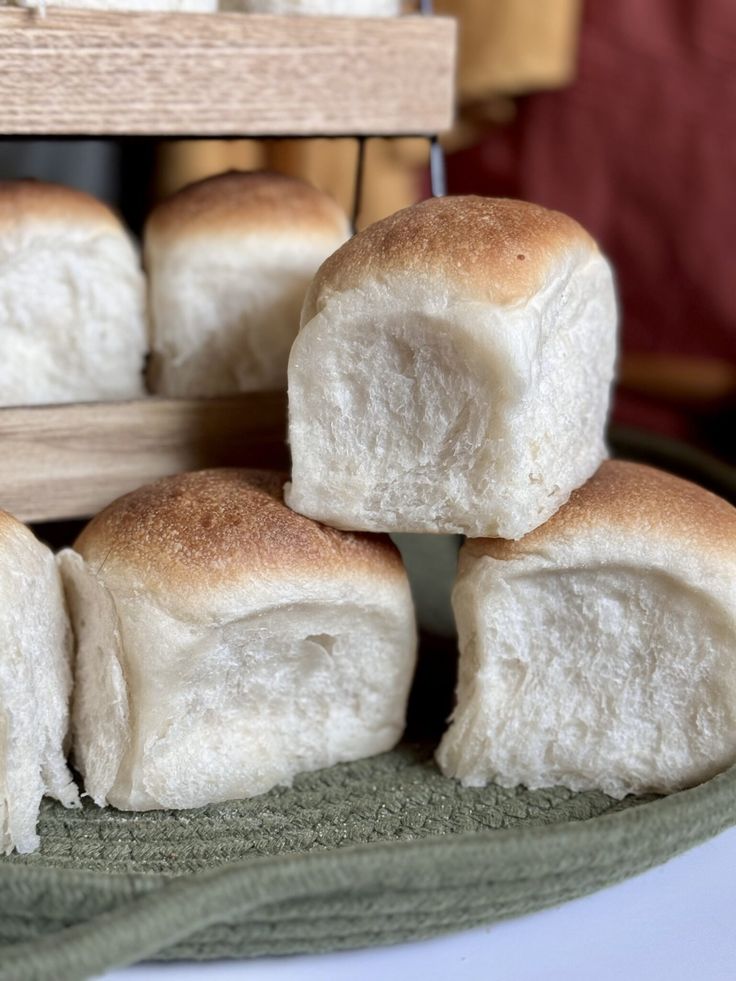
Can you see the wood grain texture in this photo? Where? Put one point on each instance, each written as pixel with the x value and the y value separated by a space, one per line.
pixel 69 461
pixel 90 72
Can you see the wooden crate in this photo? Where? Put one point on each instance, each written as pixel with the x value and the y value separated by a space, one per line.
pixel 90 72
pixel 82 72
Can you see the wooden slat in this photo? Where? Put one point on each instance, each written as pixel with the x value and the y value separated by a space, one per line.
pixel 91 72
pixel 69 461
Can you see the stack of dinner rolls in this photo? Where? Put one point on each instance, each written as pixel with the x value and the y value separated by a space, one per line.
pixel 214 634
pixel 452 374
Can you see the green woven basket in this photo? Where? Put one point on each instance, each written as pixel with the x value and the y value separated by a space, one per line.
pixel 374 852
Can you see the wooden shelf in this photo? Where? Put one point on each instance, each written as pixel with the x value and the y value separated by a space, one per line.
pixel 82 72
pixel 68 461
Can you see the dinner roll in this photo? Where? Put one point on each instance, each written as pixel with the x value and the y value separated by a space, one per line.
pixel 72 299
pixel 229 261
pixel 35 683
pixel 225 644
pixel 452 372
pixel 600 651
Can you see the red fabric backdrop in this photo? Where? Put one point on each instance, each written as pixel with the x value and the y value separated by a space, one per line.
pixel 642 151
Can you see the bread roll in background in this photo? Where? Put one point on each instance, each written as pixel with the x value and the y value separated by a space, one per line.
pixel 226 644
pixel 72 299
pixel 35 684
pixel 343 8
pixel 229 260
pixel 600 651
pixel 452 371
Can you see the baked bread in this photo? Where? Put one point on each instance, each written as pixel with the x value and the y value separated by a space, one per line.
pixel 343 8
pixel 600 651
pixel 72 299
pixel 35 684
pixel 229 261
pixel 225 644
pixel 452 371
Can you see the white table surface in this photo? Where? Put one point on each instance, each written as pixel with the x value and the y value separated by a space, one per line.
pixel 674 923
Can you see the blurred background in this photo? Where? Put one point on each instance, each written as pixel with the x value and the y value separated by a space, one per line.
pixel 621 114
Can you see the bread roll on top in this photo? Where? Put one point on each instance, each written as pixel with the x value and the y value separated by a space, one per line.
pixel 226 644
pixel 452 372
pixel 35 685
pixel 72 298
pixel 492 250
pixel 229 260
pixel 600 650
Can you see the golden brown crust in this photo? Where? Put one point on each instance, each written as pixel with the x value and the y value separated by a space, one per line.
pixel 495 249
pixel 633 498
pixel 10 525
pixel 213 526
pixel 18 540
pixel 24 200
pixel 238 202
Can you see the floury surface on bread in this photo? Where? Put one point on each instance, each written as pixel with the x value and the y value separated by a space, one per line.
pixel 600 650
pixel 452 371
pixel 225 644
pixel 35 685
pixel 229 261
pixel 72 299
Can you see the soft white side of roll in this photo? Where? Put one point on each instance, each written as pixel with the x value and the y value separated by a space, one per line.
pixel 229 261
pixel 35 685
pixel 72 299
pixel 226 312
pixel 600 651
pixel 342 8
pixel 213 663
pixel 143 6
pixel 452 373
